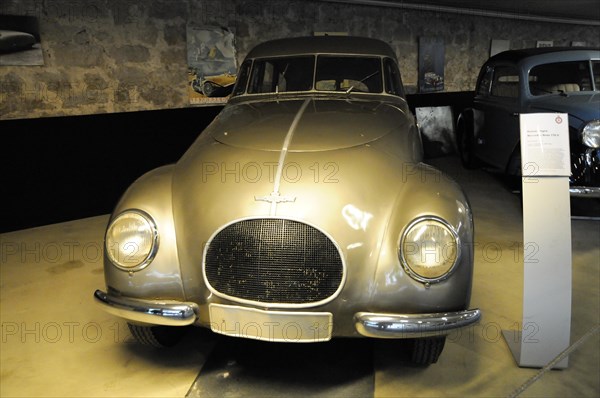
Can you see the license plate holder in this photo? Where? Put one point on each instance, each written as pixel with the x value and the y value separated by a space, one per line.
pixel 273 326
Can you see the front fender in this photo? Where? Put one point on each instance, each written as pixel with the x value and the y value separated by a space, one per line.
pixel 426 192
pixel 151 193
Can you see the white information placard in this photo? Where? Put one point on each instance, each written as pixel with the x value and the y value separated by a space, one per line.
pixel 545 144
pixel 546 324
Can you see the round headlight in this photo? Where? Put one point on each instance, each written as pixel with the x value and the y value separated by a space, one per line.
pixel 590 135
pixel 429 249
pixel 131 240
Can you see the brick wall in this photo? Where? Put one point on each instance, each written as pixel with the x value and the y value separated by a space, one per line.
pixel 127 55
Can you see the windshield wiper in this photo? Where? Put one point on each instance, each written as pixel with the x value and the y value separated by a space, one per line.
pixel 282 77
pixel 362 81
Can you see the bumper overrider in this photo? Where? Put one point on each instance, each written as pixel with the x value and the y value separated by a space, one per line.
pixel 398 326
pixel 153 312
pixel 394 326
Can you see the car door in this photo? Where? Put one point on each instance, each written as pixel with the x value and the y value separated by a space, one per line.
pixel 498 116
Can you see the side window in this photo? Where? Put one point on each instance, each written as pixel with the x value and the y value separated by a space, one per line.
pixel 242 78
pixel 486 80
pixel 505 82
pixel 393 82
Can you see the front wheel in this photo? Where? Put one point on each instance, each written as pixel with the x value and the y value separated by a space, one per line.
pixel 157 336
pixel 208 89
pixel 426 351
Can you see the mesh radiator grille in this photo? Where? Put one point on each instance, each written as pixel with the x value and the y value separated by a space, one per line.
pixel 273 261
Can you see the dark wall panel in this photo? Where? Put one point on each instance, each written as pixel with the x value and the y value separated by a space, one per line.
pixel 59 169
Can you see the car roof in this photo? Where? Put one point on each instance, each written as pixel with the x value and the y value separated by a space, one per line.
pixel 322 44
pixel 518 55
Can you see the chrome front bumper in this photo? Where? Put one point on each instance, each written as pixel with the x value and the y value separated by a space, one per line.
pixel 584 192
pixel 404 326
pixel 153 312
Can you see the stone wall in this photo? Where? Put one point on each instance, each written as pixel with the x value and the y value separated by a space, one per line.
pixel 129 55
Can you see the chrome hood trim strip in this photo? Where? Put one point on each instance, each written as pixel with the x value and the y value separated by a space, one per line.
pixel 275 197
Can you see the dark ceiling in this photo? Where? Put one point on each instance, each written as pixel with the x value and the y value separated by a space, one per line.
pixel 570 11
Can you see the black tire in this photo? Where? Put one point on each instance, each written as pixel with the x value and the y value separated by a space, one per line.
pixel 426 351
pixel 157 336
pixel 513 171
pixel 208 89
pixel 466 141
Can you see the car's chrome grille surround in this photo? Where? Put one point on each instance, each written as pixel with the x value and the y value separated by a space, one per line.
pixel 273 262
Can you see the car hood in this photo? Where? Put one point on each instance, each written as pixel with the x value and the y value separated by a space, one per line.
pixel 321 124
pixel 347 187
pixel 315 153
pixel 583 106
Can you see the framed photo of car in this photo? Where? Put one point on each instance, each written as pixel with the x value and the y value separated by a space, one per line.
pixel 431 64
pixel 211 64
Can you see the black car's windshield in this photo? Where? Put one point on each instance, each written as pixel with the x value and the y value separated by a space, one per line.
pixel 564 77
pixel 298 73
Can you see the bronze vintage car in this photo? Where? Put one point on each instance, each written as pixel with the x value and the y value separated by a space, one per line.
pixel 303 212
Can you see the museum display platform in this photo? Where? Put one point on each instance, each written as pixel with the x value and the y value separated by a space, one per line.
pixel 57 342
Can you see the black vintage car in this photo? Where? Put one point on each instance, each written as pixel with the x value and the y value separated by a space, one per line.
pixel 564 80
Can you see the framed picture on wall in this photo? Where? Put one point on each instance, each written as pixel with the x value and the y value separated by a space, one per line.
pixel 497 46
pixel 431 64
pixel 544 43
pixel 211 64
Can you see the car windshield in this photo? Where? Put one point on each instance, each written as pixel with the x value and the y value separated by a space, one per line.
pixel 564 77
pixel 332 73
pixel 339 73
pixel 278 75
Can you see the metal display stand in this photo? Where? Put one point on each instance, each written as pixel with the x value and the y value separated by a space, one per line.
pixel 546 325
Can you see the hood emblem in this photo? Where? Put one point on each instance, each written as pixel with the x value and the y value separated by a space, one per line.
pixel 275 197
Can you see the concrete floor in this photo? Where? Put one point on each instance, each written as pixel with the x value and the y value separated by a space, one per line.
pixel 56 342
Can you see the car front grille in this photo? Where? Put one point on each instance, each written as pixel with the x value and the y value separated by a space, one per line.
pixel 273 261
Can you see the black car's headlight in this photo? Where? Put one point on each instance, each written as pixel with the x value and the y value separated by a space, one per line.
pixel 429 249
pixel 132 240
pixel 590 134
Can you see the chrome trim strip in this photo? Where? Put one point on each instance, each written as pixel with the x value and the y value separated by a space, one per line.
pixel 283 154
pixel 274 305
pixel 584 192
pixel 152 312
pixel 406 326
